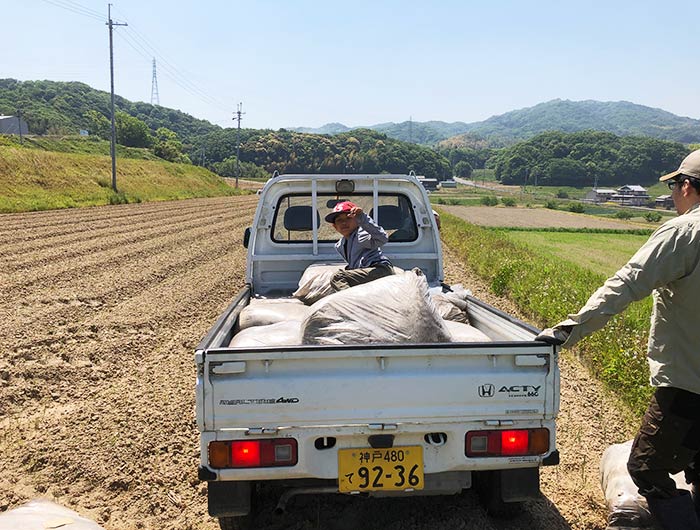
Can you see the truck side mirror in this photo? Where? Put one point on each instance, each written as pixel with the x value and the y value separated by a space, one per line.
pixel 246 237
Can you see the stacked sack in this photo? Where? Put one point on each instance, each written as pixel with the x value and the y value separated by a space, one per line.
pixel 394 309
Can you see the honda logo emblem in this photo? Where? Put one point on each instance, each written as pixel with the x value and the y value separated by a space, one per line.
pixel 486 390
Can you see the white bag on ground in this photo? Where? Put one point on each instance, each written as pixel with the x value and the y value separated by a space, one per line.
pixel 40 514
pixel 315 283
pixel 626 506
pixel 281 334
pixel 465 333
pixel 264 311
pixel 392 309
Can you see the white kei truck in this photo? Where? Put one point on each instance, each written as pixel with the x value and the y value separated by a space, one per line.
pixel 368 419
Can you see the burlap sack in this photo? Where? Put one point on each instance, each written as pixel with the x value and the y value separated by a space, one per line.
pixel 280 334
pixel 461 332
pixel 393 309
pixel 627 508
pixel 315 283
pixel 39 514
pixel 262 312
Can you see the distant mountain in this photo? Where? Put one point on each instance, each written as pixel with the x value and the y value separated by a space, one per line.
pixel 618 117
pixel 328 128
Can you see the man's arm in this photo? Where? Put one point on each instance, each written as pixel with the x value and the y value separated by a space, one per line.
pixel 658 262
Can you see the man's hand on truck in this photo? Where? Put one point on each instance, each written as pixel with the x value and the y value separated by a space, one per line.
pixel 556 335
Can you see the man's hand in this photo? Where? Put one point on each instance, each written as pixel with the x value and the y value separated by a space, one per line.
pixel 555 336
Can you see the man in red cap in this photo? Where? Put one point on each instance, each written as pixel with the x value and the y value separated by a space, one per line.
pixel 359 246
pixel 668 267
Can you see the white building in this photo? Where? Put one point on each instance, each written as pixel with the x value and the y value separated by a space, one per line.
pixel 598 195
pixel 12 124
pixel 631 195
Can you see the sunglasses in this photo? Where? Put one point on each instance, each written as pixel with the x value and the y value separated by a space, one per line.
pixel 672 184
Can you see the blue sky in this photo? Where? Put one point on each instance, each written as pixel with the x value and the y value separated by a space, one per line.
pixel 307 63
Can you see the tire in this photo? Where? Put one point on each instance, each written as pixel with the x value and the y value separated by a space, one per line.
pixel 488 488
pixel 244 522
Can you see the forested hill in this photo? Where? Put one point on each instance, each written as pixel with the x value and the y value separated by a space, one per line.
pixel 618 117
pixel 58 108
pixel 52 107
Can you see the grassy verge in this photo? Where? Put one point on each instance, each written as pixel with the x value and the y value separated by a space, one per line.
pixel 88 145
pixel 32 179
pixel 546 289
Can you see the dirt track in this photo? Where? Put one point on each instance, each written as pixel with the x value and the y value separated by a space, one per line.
pixel 101 310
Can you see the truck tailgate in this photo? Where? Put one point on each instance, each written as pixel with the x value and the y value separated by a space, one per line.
pixel 399 384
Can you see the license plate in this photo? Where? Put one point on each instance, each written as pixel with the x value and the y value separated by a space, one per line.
pixel 367 469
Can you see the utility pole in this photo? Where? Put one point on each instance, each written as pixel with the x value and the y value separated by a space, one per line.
pixel 19 125
pixel 154 86
pixel 113 145
pixel 239 113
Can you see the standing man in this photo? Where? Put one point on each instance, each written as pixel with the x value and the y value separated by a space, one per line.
pixel 359 246
pixel 668 267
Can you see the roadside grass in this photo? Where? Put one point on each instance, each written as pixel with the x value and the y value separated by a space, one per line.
pixel 32 179
pixel 546 288
pixel 88 145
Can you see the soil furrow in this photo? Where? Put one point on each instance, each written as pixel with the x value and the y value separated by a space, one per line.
pixel 89 241
pixel 21 238
pixel 97 387
pixel 134 247
pixel 32 222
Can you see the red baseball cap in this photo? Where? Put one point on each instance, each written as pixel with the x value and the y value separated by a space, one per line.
pixel 341 207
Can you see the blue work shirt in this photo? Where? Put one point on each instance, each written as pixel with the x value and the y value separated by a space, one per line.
pixel 361 248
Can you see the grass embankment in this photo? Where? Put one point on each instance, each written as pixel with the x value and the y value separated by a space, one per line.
pixel 547 288
pixel 34 179
pixel 88 145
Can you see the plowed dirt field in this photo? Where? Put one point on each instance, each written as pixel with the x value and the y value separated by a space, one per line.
pixel 537 218
pixel 100 311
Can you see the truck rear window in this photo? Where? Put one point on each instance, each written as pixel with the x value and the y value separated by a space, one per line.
pixel 293 217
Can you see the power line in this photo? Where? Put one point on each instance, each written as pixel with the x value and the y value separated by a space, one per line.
pixel 74 7
pixel 183 78
pixel 170 73
pixel 165 71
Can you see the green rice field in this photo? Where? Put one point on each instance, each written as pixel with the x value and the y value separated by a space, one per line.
pixel 597 252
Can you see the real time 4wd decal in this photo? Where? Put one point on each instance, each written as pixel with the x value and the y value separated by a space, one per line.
pixel 259 401
pixel 511 391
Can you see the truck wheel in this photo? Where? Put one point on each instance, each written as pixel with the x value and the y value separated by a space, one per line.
pixel 488 486
pixel 244 522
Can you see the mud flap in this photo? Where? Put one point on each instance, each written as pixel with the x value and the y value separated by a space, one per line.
pixel 229 499
pixel 520 484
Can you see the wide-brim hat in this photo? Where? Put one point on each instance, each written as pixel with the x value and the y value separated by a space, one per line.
pixel 690 167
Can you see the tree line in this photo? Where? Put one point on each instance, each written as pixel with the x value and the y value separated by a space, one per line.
pixel 586 158
pixel 553 158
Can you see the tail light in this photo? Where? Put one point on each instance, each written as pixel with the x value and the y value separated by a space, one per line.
pixel 253 453
pixel 517 442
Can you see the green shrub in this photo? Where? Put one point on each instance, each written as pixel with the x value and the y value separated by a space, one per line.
pixel 576 207
pixel 624 214
pixel 489 200
pixel 552 205
pixel 652 217
pixel 562 194
pixel 546 289
pixel 508 201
